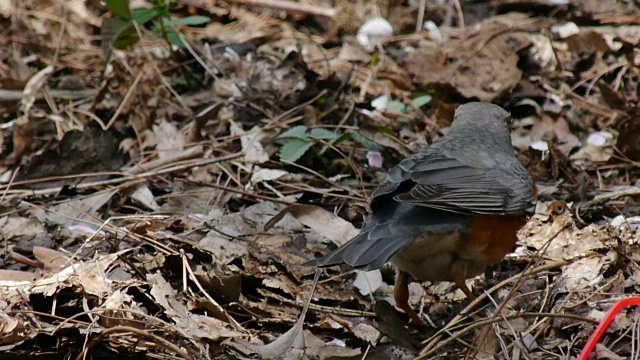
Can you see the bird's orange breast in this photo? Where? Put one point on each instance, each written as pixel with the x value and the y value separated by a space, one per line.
pixel 494 236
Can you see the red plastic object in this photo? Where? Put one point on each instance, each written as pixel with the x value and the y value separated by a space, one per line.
pixel 604 325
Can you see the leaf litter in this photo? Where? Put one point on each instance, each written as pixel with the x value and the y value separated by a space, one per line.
pixel 162 201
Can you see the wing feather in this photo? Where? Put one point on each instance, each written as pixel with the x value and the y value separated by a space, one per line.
pixel 447 184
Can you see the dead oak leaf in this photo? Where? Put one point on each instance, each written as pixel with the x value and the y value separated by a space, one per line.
pixel 569 243
pixel 223 250
pixel 14 226
pixel 483 72
pixel 283 250
pixel 198 326
pixel 583 274
pixel 320 221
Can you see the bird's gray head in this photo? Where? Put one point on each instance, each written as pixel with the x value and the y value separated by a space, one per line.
pixel 480 120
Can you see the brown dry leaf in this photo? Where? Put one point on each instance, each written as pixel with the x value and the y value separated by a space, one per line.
pixel 22 139
pixel 628 139
pixel 198 326
pixel 603 352
pixel 319 220
pixel 280 314
pixel 168 138
pixel 633 279
pixel 92 275
pixel 78 211
pixel 482 66
pixel 281 249
pixel 590 154
pixel 609 11
pixel 253 150
pixel 310 345
pixel 142 194
pixel 367 282
pixel 283 283
pixel 223 250
pixel 290 343
pixel 448 291
pixel 18 275
pixel 583 274
pixel 89 275
pixel 238 225
pixel 225 288
pixel 14 331
pixel 366 332
pixel 249 220
pixel 261 174
pixel 486 341
pixel 121 310
pixel 23 129
pixel 323 350
pixel 570 243
pixel 196 202
pixel 16 226
pixel 392 325
pixel 560 128
pixel 31 89
pixel 51 260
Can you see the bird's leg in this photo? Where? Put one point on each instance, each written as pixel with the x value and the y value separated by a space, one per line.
pixel 488 273
pixel 459 276
pixel 401 296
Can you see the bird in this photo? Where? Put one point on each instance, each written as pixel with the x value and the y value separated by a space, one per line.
pixel 447 211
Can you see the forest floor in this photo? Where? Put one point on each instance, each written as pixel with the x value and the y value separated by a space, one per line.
pixel 147 147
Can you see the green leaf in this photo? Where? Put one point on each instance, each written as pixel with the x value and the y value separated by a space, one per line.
pixel 398 107
pixel 420 101
pixel 324 134
pixel 174 38
pixel 294 149
pixel 357 137
pixel 375 58
pixel 117 33
pixel 387 130
pixel 366 142
pixel 142 16
pixel 343 137
pixel 189 21
pixel 296 132
pixel 119 8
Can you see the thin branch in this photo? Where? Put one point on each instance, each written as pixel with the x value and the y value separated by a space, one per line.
pixel 289 7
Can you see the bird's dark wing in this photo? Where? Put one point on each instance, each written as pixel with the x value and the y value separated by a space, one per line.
pixel 444 183
pixel 384 236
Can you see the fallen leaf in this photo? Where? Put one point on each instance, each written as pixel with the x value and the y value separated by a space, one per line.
pixel 17 226
pixel 568 244
pixel 481 66
pixel 199 326
pixel 319 220
pixel 18 275
pixel 169 139
pixel 254 152
pixel 582 274
pixel 223 250
pixel 75 211
pixel 367 282
pixel 142 194
pixel 366 332
pixel 52 260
